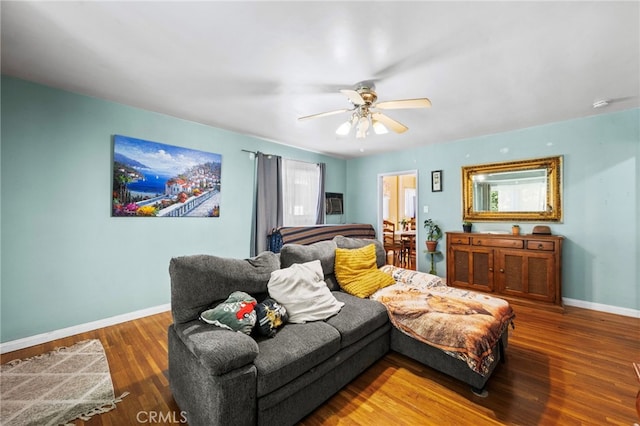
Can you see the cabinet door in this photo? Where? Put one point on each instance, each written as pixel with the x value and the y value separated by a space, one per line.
pixel 526 274
pixel 470 267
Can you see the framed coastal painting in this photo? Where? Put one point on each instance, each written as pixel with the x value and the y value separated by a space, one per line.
pixel 151 179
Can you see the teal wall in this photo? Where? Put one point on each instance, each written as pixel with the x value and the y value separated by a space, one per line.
pixel 65 260
pixel 601 202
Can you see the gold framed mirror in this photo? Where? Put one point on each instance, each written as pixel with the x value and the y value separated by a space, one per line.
pixel 525 190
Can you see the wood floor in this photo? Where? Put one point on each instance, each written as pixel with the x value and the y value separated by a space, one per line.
pixel 571 368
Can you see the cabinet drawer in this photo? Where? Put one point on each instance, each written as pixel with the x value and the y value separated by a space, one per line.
pixel 460 240
pixel 540 245
pixel 497 242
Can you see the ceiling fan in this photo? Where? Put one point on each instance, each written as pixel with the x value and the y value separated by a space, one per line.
pixel 365 114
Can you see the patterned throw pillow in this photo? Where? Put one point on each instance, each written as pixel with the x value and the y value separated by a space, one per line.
pixel 236 313
pixel 271 316
pixel 416 279
pixel 357 272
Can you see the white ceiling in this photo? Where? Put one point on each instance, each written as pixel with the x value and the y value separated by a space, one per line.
pixel 254 67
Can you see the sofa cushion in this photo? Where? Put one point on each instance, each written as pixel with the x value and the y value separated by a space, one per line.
pixel 358 318
pixel 357 273
pixel 303 293
pixel 295 349
pixel 324 251
pixel 198 281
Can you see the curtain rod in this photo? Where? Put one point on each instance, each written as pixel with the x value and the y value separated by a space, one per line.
pixel 256 152
pixel 268 155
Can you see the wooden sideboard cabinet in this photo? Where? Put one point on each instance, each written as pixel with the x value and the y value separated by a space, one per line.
pixel 519 267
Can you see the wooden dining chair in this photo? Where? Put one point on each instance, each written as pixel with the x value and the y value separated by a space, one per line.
pixel 391 244
pixel 408 256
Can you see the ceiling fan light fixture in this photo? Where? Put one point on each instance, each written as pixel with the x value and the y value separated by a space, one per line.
pixel 379 128
pixel 365 114
pixel 344 128
pixel 363 127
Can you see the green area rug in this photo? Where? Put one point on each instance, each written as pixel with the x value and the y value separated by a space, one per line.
pixel 57 387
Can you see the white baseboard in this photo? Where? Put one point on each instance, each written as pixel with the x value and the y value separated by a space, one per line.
pixel 627 312
pixel 14 345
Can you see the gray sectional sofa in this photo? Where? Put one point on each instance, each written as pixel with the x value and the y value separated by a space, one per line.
pixel 223 377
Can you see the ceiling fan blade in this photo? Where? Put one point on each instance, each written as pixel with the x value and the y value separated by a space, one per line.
pixel 324 114
pixel 405 103
pixel 394 125
pixel 353 96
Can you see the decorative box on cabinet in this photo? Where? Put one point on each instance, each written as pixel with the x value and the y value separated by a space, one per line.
pixel 518 267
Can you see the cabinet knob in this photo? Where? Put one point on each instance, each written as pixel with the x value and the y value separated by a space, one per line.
pixel 540 246
pixel 490 269
pixel 479 242
pixel 501 270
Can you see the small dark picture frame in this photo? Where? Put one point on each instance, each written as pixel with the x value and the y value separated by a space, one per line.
pixel 436 181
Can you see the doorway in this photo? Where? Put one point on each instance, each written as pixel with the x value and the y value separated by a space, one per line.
pixel 398 203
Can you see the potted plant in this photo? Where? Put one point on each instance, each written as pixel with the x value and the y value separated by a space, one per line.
pixel 515 229
pixel 466 226
pixel 434 233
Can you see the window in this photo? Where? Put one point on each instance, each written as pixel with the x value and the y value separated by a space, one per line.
pixel 409 202
pixel 300 191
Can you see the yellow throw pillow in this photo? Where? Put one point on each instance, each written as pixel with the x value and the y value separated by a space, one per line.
pixel 357 272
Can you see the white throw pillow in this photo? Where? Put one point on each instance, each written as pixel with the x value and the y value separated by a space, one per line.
pixel 301 290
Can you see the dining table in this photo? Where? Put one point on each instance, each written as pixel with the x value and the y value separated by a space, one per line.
pixel 408 255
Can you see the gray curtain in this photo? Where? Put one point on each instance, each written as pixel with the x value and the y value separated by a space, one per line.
pixel 321 197
pixel 268 199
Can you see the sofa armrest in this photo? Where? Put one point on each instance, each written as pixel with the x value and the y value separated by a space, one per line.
pixel 217 349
